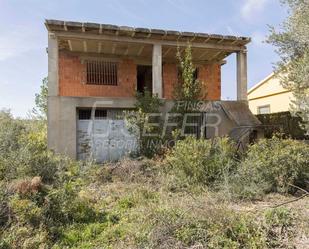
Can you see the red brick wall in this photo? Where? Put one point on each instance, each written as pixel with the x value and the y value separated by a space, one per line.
pixel 72 79
pixel 72 75
pixel 169 80
pixel 209 75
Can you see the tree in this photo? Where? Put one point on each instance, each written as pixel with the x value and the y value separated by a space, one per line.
pixel 187 88
pixel 40 110
pixel 292 42
pixel 187 94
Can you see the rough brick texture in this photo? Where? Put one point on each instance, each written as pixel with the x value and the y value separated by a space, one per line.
pixel 169 80
pixel 210 76
pixel 72 79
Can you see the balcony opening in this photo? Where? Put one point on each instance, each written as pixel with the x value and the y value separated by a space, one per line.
pixel 144 78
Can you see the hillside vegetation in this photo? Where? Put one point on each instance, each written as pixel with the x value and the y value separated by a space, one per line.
pixel 200 194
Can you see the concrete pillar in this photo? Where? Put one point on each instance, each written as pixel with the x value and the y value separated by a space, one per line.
pixel 242 75
pixel 53 130
pixel 157 88
pixel 52 65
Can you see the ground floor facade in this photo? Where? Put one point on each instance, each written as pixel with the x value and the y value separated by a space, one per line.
pixel 91 127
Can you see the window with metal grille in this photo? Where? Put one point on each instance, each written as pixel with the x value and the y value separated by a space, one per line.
pixel 101 72
pixel 85 114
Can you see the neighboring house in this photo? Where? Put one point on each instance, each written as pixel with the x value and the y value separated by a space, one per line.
pixel 94 71
pixel 268 96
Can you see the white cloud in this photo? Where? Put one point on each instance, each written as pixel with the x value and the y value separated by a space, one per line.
pixel 252 7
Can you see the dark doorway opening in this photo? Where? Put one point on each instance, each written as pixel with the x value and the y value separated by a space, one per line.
pixel 144 78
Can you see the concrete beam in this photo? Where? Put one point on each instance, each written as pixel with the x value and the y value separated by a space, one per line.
pixel 157 70
pixel 71 35
pixel 242 75
pixel 143 60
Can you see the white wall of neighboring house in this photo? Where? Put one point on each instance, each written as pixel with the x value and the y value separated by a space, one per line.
pixel 268 96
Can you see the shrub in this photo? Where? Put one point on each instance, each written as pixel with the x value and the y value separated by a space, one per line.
pixel 202 161
pixel 23 150
pixel 26 211
pixel 4 206
pixel 283 122
pixel 139 121
pixel 272 165
pixel 214 227
pixel 279 226
pixel 34 158
pixel 24 237
pixel 10 131
pixel 64 206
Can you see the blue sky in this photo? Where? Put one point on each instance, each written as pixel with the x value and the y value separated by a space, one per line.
pixel 23 37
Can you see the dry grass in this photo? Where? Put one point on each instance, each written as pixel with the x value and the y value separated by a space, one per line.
pixel 153 216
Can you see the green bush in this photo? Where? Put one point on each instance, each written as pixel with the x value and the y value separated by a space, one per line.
pixel 215 227
pixel 10 132
pixel 25 237
pixel 272 165
pixel 23 150
pixel 139 121
pixel 284 123
pixel 279 225
pixel 202 161
pixel 64 206
pixel 26 211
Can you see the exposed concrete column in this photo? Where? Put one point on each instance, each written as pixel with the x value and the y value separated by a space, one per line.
pixel 157 70
pixel 52 65
pixel 53 106
pixel 242 75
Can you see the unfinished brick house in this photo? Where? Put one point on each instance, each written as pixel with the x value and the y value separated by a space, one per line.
pixel 102 66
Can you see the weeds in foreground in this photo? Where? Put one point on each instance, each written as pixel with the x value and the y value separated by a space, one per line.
pixel 147 203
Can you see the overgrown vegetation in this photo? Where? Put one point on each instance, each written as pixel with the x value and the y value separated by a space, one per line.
pixel 187 88
pixel 147 120
pixel 200 161
pixel 283 123
pixel 141 123
pixel 197 194
pixel 40 111
pixel 272 165
pixel 292 47
pixel 191 197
